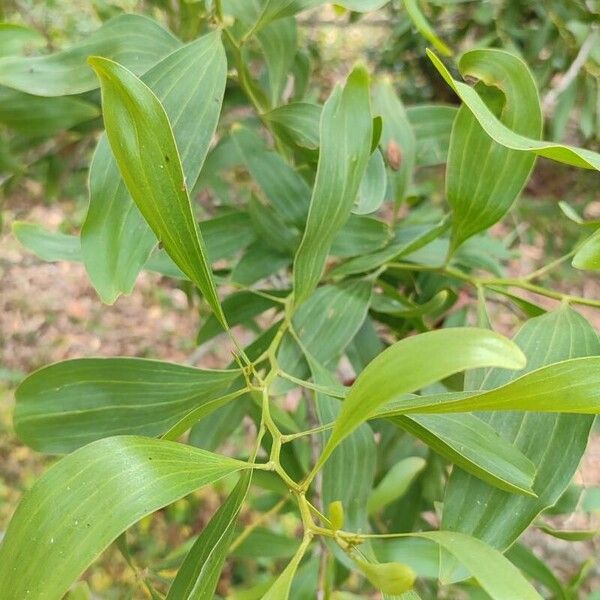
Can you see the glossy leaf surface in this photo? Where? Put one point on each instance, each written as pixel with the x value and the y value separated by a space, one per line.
pixel 116 240
pixel 483 178
pixel 553 442
pixel 503 135
pixel 145 150
pixel 416 362
pixel 90 497
pixel 69 404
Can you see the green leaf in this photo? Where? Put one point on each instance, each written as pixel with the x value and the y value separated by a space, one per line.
pixel 135 41
pixel 258 262
pixel 116 240
pixel 415 362
pixel 47 245
pixel 553 442
pixel 569 386
pixel 395 483
pixel 346 131
pixel 296 123
pixel 432 126
pixel 280 590
pixel 570 155
pixel 360 235
pixel 142 142
pixel 494 573
pixel 424 28
pixel 569 535
pixel 473 445
pixel 397 141
pixel 483 178
pixel 371 192
pixel 528 562
pixel 43 117
pixel 587 257
pixel 198 576
pixel 69 404
pixel 279 43
pixel 87 499
pixel 348 475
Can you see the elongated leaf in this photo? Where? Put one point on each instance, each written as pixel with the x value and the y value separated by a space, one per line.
pixel 570 386
pixel 554 443
pixel 142 142
pixel 528 562
pixel 563 153
pixel 35 116
pixel 90 497
pixel 494 573
pixel 360 235
pixel 346 131
pixel 569 535
pixel 285 189
pixel 397 140
pixel 135 41
pixel 116 240
pixel 424 28
pixel 69 404
pixel 198 576
pixel 483 178
pixel 416 362
pixel 348 475
pixel 280 590
pixel 406 240
pixel 473 445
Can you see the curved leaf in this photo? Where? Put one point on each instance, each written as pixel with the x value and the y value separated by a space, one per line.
pixel 90 497
pixel 198 576
pixel 570 155
pixel 145 150
pixel 483 178
pixel 553 442
pixel 569 386
pixel 116 241
pixel 135 41
pixel 346 132
pixel 473 445
pixel 414 363
pixel 494 573
pixel 69 404
pixel 424 28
